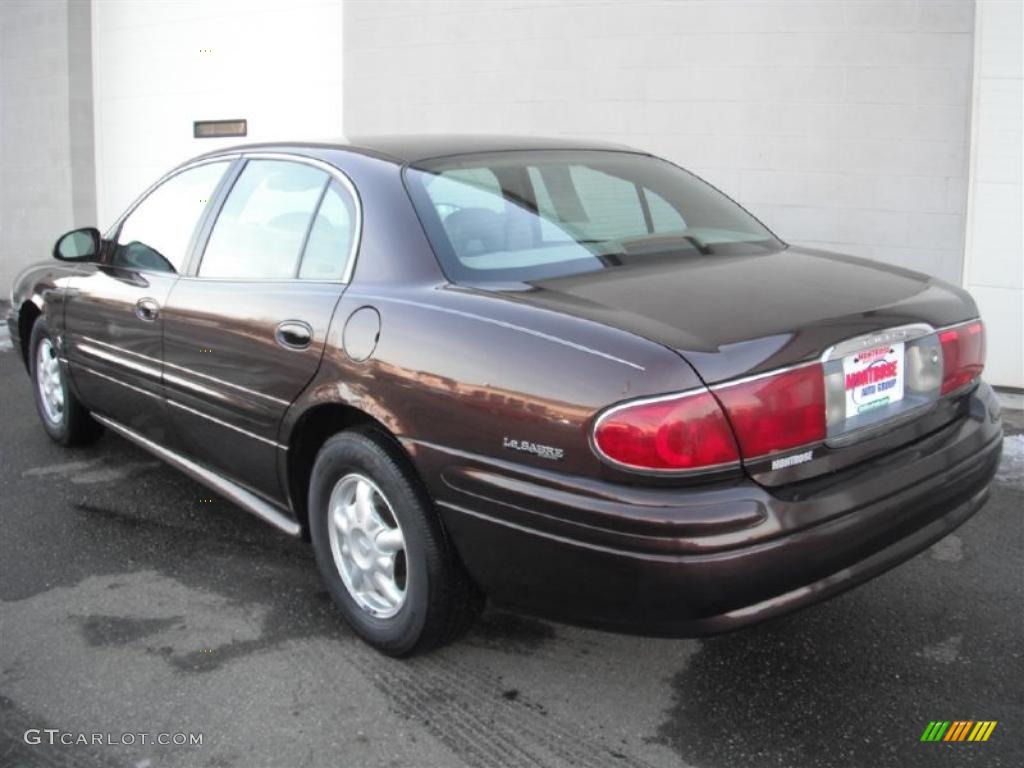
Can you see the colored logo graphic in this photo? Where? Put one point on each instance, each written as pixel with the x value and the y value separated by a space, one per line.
pixel 958 730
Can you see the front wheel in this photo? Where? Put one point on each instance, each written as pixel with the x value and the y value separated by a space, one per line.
pixel 381 549
pixel 64 418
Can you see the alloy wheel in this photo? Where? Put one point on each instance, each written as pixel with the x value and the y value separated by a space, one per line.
pixel 49 380
pixel 368 545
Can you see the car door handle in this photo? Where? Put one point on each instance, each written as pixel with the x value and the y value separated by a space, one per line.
pixel 294 334
pixel 147 309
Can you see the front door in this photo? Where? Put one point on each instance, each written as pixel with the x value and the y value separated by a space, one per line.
pixel 244 335
pixel 114 313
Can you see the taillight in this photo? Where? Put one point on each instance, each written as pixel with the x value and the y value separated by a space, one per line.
pixel 687 431
pixel 963 354
pixel 777 411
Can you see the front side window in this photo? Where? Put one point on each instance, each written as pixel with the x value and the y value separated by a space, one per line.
pixel 156 235
pixel 529 215
pixel 260 231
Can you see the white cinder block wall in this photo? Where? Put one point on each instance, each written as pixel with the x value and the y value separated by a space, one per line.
pixel 842 124
pixel 994 260
pixel 46 181
pixel 159 65
pixel 845 124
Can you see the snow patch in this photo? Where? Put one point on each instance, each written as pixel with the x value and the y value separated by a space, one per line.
pixel 1011 468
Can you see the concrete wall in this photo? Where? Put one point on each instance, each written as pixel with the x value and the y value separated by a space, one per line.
pixel 46 155
pixel 160 65
pixel 994 261
pixel 843 124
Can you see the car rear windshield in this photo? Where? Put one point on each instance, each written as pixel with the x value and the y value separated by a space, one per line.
pixel 522 216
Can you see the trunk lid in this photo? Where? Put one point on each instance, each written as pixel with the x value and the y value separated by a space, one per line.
pixel 739 316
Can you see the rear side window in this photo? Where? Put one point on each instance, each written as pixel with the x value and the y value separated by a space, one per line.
pixel 262 227
pixel 329 246
pixel 156 235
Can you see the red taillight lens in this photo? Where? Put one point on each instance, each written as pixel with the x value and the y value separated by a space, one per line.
pixel 685 432
pixel 963 354
pixel 777 412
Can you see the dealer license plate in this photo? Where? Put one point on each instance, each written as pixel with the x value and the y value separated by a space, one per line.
pixel 874 378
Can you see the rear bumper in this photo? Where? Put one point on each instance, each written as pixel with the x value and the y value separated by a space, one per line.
pixel 708 559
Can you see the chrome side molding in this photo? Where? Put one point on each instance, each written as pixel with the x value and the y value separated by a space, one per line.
pixel 226 488
pixel 182 406
pixel 155 373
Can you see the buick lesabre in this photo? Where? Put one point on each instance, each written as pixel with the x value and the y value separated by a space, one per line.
pixel 569 377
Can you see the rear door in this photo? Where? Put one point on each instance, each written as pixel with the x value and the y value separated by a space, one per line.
pixel 245 330
pixel 113 315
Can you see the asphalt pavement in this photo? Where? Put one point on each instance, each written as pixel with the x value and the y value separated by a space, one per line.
pixel 133 601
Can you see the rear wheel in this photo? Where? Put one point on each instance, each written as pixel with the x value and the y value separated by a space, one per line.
pixel 64 418
pixel 381 548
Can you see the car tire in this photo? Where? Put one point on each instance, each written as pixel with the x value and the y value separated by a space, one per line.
pixel 365 496
pixel 64 417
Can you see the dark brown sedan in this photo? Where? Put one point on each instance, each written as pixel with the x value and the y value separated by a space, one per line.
pixel 573 378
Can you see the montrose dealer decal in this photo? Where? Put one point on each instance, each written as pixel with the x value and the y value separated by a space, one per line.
pixel 874 378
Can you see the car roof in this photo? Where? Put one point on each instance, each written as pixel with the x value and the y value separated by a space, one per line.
pixel 414 148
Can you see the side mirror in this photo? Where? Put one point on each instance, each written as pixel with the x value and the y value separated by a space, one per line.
pixel 78 245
